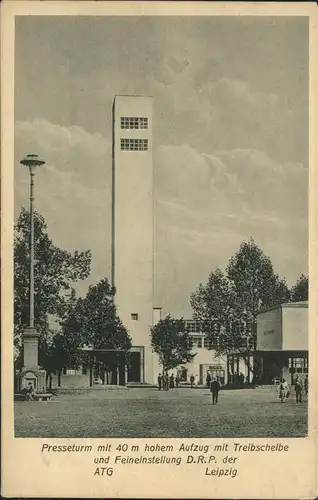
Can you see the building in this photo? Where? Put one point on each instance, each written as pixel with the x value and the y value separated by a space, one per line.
pixel 282 342
pixel 132 266
pixel 132 227
pixel 132 244
pixel 281 347
pixel 282 332
pixel 205 360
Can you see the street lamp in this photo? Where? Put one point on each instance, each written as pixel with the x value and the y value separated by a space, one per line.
pixel 30 372
pixel 31 161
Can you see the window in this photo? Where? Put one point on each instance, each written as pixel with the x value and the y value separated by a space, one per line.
pixel 130 122
pixel 199 342
pixel 134 316
pixel 192 326
pixel 298 365
pixel 134 144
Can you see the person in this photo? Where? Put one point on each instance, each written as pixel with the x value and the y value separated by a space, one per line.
pixel 166 382
pixel 177 381
pixel 298 389
pixel 306 385
pixel 215 388
pixel 159 381
pixel 29 396
pixel 171 381
pixel 208 380
pixel 192 380
pixel 241 378
pixel 283 390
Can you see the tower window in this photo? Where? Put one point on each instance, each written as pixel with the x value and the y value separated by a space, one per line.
pixel 134 316
pixel 130 122
pixel 134 144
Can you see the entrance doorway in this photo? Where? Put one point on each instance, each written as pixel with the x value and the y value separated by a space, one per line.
pixel 107 367
pixel 134 365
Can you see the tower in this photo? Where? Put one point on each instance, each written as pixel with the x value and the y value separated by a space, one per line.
pixel 132 226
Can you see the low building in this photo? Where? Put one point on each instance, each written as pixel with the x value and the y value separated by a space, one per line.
pixel 94 372
pixel 282 342
pixel 205 360
pixel 281 347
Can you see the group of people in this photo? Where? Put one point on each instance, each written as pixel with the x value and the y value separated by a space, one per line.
pixel 300 386
pixel 166 382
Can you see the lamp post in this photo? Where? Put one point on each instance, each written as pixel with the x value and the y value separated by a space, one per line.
pixel 30 371
pixel 31 161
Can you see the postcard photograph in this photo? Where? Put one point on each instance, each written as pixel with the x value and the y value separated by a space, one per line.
pixel 161 226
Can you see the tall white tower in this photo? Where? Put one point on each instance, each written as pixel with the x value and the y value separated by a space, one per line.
pixel 132 226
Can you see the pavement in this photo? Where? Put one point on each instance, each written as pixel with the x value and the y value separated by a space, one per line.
pixel 147 412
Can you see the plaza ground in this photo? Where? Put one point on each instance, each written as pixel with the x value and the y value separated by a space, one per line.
pixel 147 412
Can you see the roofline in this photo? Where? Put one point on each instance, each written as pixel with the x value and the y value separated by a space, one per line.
pixel 301 304
pixel 133 95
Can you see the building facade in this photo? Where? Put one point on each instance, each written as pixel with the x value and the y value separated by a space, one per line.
pixel 282 333
pixel 132 227
pixel 205 360
pixel 282 342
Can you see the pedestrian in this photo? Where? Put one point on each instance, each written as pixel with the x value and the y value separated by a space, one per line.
pixel 30 392
pixel 215 388
pixel 283 390
pixel 159 381
pixel 241 378
pixel 177 381
pixel 298 389
pixel 166 382
pixel 208 380
pixel 306 385
pixel 171 381
pixel 192 381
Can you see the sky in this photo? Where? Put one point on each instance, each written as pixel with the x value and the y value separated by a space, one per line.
pixel 230 97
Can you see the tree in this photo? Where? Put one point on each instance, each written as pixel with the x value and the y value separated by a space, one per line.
pixel 92 322
pixel 55 271
pixel 256 284
pixel 171 342
pixel 94 319
pixel 228 304
pixel 299 291
pixel 215 299
pixel 257 287
pixel 60 349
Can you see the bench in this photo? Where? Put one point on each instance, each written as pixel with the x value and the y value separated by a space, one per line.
pixel 37 397
pixel 43 397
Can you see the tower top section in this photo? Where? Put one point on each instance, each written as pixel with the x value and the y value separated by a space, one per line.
pixel 132 105
pixel 132 124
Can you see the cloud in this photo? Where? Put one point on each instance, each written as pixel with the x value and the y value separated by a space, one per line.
pixel 208 203
pixel 205 204
pixel 72 189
